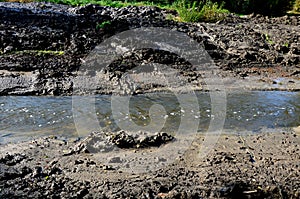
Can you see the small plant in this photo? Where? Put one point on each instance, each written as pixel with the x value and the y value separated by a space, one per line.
pixel 40 52
pixel 189 11
pixel 170 17
pixel 196 11
pixel 268 39
pixel 103 25
pixel 296 7
pixel 286 44
pixel 213 12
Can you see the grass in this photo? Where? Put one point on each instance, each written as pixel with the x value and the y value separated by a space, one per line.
pixel 199 11
pixel 103 25
pixel 188 10
pixel 296 8
pixel 39 52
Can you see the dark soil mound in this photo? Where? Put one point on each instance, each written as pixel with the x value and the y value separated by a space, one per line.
pixel 44 45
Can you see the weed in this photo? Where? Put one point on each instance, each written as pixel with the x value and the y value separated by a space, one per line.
pixel 296 7
pixel 213 12
pixel 199 11
pixel 187 11
pixel 170 17
pixel 39 52
pixel 268 39
pixel 103 25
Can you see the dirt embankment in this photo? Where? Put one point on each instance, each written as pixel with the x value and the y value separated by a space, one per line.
pixel 44 45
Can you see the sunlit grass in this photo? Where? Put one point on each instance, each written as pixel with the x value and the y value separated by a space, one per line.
pixel 199 11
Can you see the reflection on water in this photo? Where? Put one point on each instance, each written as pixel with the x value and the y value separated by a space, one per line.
pixel 28 116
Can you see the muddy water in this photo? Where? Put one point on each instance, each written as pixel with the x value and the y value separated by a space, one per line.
pixel 25 117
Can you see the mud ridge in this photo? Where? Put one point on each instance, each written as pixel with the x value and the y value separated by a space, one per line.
pixel 43 46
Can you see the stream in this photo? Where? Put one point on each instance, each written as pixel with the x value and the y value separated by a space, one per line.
pixel 27 117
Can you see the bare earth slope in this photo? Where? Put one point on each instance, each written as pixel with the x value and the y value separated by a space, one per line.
pixel 44 45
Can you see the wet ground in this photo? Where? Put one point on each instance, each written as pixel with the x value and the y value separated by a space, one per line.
pixel 49 49
pixel 245 166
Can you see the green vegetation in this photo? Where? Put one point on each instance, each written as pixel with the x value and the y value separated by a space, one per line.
pixel 199 11
pixel 268 39
pixel 111 3
pixel 189 10
pixel 103 25
pixel 296 7
pixel 39 52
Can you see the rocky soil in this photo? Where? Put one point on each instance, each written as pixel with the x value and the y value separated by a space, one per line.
pixel 239 166
pixel 43 46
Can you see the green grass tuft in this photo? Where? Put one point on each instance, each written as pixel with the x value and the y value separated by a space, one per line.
pixel 296 7
pixel 103 25
pixel 199 11
pixel 268 39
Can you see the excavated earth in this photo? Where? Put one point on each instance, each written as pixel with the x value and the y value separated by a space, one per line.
pixel 43 49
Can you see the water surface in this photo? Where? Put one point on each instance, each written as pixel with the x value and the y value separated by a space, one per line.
pixel 25 117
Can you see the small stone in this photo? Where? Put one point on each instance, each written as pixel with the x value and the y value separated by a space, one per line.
pixel 108 168
pixel 79 162
pixel 53 162
pixel 37 172
pixel 90 162
pixel 55 170
pixel 8 49
pixel 115 160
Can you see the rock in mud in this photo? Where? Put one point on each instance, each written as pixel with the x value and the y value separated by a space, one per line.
pixel 12 160
pixel 123 140
pixel 105 142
